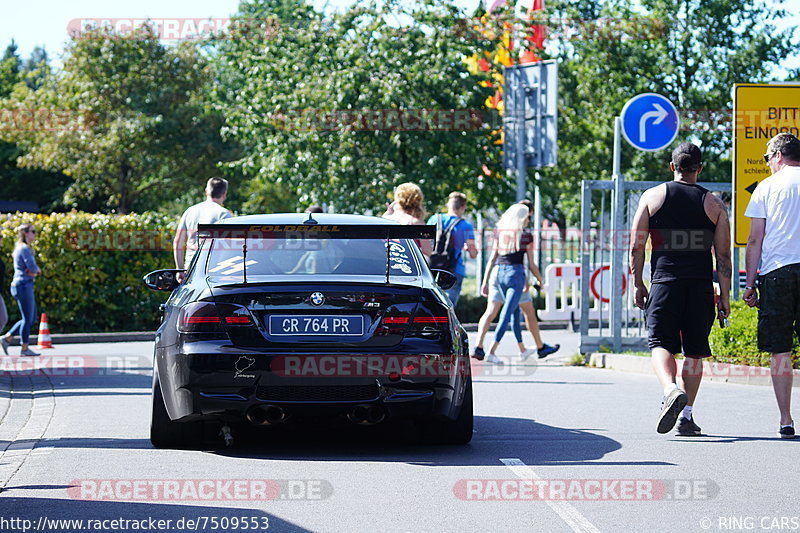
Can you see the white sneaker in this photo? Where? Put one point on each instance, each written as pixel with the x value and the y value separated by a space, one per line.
pixel 492 358
pixel 527 353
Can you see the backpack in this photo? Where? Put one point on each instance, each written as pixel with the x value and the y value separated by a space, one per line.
pixel 445 256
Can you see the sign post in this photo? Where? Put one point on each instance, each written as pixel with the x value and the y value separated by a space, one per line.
pixel 529 124
pixel 648 122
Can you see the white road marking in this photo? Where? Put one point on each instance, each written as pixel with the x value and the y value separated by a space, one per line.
pixel 575 520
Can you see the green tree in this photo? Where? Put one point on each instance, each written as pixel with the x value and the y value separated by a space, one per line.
pixel 17 182
pixel 134 130
pixel 289 76
pixel 10 66
pixel 691 51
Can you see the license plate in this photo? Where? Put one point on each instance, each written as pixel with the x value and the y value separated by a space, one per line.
pixel 316 325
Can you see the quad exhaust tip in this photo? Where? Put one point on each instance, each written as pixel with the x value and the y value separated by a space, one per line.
pixel 266 415
pixel 366 415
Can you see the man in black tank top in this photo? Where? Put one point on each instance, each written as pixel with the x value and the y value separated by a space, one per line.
pixel 683 222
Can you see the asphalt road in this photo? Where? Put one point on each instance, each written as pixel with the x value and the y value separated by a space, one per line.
pixel 556 448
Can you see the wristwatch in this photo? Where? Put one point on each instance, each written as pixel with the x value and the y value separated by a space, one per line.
pixel 749 288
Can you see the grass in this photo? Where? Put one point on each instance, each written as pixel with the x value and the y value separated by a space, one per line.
pixel 577 360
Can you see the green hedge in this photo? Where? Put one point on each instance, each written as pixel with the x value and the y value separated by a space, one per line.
pixel 736 344
pixel 470 307
pixel 92 267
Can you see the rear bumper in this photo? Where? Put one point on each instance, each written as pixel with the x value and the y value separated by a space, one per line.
pixel 225 386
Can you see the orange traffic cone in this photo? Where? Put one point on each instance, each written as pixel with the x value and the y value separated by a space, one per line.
pixel 45 341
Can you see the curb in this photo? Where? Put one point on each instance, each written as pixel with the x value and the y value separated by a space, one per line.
pixel 145 336
pixel 549 325
pixel 88 338
pixel 712 371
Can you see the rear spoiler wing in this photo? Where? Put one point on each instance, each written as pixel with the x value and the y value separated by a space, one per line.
pixel 314 230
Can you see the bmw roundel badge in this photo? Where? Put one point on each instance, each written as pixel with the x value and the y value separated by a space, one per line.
pixel 317 298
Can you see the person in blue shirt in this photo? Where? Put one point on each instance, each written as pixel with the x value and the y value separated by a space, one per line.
pixel 463 238
pixel 25 271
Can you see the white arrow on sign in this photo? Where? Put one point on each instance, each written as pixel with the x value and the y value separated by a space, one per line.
pixel 659 115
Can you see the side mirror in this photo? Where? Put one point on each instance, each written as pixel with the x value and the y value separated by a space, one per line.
pixel 162 280
pixel 444 279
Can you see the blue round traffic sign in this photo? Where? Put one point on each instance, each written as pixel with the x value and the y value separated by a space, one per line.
pixel 649 122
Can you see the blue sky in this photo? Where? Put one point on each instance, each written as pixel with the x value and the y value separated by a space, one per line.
pixel 44 22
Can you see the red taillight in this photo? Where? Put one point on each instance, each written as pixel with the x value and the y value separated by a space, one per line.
pixel 201 320
pixel 238 320
pixel 393 325
pixel 431 320
pixel 395 320
pixel 430 323
pixel 207 317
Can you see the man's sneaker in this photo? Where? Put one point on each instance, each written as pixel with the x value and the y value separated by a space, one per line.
pixel 687 427
pixel 479 353
pixel 4 345
pixel 786 432
pixel 494 359
pixel 673 404
pixel 547 349
pixel 527 353
pixel 29 353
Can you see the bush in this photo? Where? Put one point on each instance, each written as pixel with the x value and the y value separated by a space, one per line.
pixel 470 307
pixel 92 268
pixel 737 344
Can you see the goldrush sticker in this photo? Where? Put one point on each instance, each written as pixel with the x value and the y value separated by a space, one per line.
pixel 403 268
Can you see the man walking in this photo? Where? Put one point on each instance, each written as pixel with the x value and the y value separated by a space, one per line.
pixel 774 244
pixel 208 212
pixel 462 238
pixel 683 220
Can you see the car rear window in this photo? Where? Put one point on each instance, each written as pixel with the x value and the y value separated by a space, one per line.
pixel 310 256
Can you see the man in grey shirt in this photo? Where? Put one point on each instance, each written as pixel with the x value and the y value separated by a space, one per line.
pixel 210 211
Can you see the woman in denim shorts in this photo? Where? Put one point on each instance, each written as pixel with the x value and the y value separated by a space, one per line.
pixel 510 248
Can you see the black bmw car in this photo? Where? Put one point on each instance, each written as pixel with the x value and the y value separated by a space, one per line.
pixel 296 315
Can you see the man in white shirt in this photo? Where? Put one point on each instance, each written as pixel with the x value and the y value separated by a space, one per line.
pixel 774 244
pixel 210 211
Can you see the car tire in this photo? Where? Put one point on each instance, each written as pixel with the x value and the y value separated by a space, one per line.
pixel 458 431
pixel 164 433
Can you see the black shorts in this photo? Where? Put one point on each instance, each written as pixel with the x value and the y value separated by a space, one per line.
pixel 680 315
pixel 778 309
